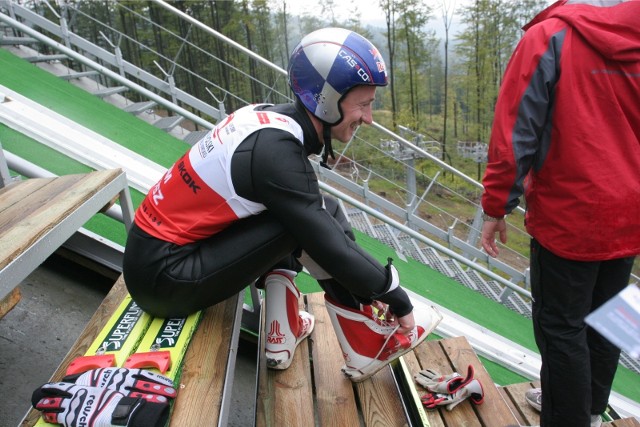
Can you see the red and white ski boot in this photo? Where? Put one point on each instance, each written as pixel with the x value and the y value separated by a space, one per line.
pixel 286 325
pixel 369 343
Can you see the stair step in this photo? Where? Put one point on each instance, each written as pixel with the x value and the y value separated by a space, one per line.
pixel 193 137
pixel 514 396
pixel 139 107
pixel 46 58
pixel 108 91
pixel 79 75
pixel 168 123
pixel 7 41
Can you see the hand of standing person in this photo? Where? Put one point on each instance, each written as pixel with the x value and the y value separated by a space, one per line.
pixel 489 230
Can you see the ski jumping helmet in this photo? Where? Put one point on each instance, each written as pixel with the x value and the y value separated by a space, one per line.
pixel 326 64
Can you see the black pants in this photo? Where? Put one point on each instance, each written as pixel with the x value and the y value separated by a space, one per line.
pixel 578 364
pixel 169 280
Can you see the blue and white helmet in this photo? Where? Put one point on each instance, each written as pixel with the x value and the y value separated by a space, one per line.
pixel 329 62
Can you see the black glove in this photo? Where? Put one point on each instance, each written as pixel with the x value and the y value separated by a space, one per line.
pixel 130 382
pixel 73 405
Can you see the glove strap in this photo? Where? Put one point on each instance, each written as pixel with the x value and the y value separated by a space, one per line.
pixel 459 382
pixel 137 412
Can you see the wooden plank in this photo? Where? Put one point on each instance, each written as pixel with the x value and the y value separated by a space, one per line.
pixel 285 398
pixel 432 355
pixel 512 406
pixel 626 422
pixel 494 411
pixel 200 392
pixel 19 200
pixel 526 415
pixel 9 301
pixel 514 396
pixel 34 195
pixel 335 400
pixel 16 192
pixel 264 395
pixel 94 326
pixel 434 417
pixel 336 403
pixel 379 400
pixel 64 195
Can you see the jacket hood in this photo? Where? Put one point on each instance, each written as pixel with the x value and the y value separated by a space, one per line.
pixel 611 27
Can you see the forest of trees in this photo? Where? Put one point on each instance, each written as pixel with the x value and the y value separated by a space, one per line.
pixel 441 86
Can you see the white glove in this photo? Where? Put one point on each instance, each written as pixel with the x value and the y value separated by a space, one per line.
pixel 72 405
pixel 473 390
pixel 438 383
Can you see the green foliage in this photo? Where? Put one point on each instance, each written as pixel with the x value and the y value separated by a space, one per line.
pixel 200 62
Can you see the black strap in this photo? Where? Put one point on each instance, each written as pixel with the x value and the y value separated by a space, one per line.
pixel 328 149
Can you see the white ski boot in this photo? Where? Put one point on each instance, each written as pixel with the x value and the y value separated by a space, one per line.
pixel 369 343
pixel 286 326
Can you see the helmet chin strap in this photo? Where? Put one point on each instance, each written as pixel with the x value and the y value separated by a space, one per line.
pixel 328 149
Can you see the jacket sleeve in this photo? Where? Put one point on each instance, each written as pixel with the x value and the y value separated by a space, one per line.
pixel 285 182
pixel 521 132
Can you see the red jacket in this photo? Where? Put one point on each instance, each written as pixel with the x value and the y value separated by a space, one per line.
pixel 566 131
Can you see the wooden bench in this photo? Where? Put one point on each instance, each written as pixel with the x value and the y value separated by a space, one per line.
pixel 205 386
pixel 38 215
pixel 314 392
pixel 455 355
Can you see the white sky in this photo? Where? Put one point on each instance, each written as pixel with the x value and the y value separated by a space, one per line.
pixel 369 10
pixel 371 13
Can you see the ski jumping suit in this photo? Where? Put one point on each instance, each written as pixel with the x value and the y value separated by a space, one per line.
pixel 238 204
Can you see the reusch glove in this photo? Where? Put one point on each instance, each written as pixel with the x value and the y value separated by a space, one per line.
pixel 473 391
pixel 130 382
pixel 72 405
pixel 437 383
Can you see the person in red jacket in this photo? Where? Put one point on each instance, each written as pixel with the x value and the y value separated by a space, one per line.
pixel 566 134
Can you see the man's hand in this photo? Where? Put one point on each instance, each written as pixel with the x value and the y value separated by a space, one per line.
pixel 407 323
pixel 489 230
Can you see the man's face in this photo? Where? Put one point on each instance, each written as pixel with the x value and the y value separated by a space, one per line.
pixel 356 109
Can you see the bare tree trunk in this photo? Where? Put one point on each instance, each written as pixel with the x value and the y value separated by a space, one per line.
pixel 447 17
pixel 389 9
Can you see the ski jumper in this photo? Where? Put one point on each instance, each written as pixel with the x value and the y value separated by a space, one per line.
pixel 238 204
